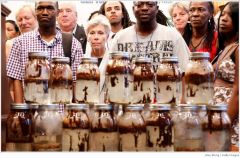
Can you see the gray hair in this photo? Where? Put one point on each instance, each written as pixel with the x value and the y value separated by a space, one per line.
pixel 182 5
pixel 31 8
pixel 99 19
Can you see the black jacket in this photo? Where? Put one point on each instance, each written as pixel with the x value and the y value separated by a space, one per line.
pixel 81 37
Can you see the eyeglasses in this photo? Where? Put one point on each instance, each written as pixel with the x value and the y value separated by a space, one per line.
pixel 149 4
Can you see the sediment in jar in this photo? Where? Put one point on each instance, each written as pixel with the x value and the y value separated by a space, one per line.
pixel 132 138
pixel 47 143
pixel 217 132
pixel 19 130
pixel 87 91
pixel 119 88
pixel 143 92
pixel 18 146
pixel 61 91
pixel 188 145
pixel 103 141
pixel 75 139
pixel 37 69
pixel 103 135
pixel 168 92
pixel 36 91
pixel 159 132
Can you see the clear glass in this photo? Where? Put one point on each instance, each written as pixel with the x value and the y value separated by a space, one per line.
pixel 19 131
pixel 104 134
pixel 88 81
pixel 76 127
pixel 199 79
pixel 37 75
pixel 168 82
pixel 159 128
pixel 188 135
pixel 48 129
pixel 61 81
pixel 217 130
pixel 119 79
pixel 143 81
pixel 132 129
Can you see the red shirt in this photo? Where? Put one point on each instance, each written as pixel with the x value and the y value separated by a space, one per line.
pixel 214 47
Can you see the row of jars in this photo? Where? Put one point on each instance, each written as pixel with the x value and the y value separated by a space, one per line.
pixel 153 128
pixel 125 83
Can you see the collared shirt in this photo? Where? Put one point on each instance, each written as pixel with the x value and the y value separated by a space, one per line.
pixel 32 42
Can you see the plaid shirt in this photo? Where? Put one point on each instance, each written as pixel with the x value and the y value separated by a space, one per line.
pixel 32 42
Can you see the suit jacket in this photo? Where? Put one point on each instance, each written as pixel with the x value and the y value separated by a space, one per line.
pixel 81 37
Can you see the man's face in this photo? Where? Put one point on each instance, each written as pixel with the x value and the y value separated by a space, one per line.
pixel 67 16
pixel 46 13
pixel 145 11
pixel 113 11
pixel 26 20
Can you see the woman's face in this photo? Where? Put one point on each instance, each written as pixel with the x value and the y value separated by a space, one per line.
pixel 225 21
pixel 10 31
pixel 97 36
pixel 199 14
pixel 180 18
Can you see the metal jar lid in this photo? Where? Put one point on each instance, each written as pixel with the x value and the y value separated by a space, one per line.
pixel 134 107
pixel 220 107
pixel 49 107
pixel 188 107
pixel 61 59
pixel 20 106
pixel 40 54
pixel 173 59
pixel 143 60
pixel 160 107
pixel 103 106
pixel 199 55
pixel 34 106
pixel 119 55
pixel 75 106
pixel 89 60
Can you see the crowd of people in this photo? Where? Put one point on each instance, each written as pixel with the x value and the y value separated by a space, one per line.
pixel 110 29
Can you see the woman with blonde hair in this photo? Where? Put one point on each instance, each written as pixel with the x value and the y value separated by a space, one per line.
pixel 97 31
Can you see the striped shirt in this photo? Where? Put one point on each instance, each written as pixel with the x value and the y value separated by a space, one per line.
pixel 32 42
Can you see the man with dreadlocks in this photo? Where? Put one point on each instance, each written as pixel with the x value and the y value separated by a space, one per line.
pixel 117 15
pixel 149 38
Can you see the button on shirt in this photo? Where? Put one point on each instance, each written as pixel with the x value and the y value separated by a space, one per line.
pixel 32 42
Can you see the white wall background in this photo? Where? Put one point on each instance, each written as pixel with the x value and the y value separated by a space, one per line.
pixel 84 7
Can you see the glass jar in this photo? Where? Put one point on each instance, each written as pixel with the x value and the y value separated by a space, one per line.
pixel 103 133
pixel 168 81
pixel 217 129
pixel 48 129
pixel 19 133
pixel 199 78
pixel 132 129
pixel 159 128
pixel 188 135
pixel 119 78
pixel 61 81
pixel 143 81
pixel 88 81
pixel 75 128
pixel 36 78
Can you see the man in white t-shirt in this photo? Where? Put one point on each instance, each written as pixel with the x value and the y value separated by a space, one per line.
pixel 148 38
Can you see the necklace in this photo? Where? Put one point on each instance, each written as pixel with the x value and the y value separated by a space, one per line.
pixel 150 39
pixel 194 48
